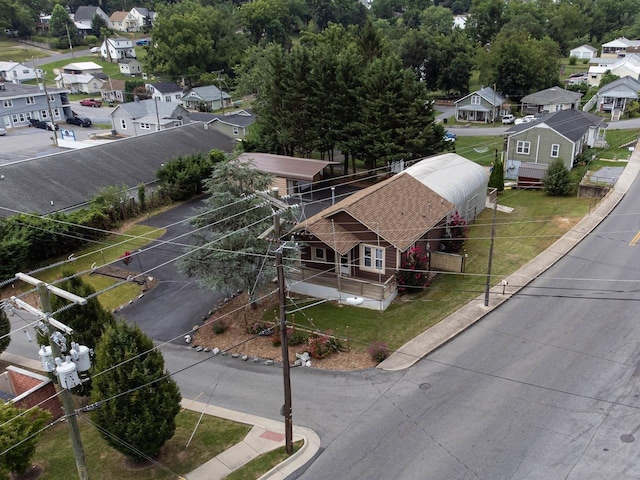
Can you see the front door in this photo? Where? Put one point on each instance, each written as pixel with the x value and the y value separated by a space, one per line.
pixel 345 264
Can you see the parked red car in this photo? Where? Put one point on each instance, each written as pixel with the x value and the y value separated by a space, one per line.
pixel 90 102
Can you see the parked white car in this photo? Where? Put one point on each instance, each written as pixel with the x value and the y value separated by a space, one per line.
pixel 525 119
pixel 508 119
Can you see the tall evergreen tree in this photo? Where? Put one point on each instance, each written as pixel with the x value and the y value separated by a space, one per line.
pixel 496 179
pixel 233 257
pixel 61 22
pixel 138 401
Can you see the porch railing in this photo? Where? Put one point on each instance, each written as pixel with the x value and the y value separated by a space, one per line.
pixel 349 285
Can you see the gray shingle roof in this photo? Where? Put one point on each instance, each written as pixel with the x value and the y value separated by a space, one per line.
pixel 70 179
pixel 552 95
pixel 167 87
pixel 570 123
pixel 208 93
pixel 85 13
pixel 624 84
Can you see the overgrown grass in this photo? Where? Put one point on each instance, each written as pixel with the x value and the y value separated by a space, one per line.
pixel 107 250
pixel 537 221
pixel 11 51
pixel 212 436
pixel 265 462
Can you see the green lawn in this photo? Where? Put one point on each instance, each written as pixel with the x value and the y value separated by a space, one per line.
pixel 110 249
pixel 536 222
pixel 212 437
pixel 11 51
pixel 481 150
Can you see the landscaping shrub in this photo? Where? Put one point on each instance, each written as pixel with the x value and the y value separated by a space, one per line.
pixel 320 346
pixel 296 337
pixel 219 326
pixel 412 276
pixel 457 234
pixel 258 327
pixel 378 351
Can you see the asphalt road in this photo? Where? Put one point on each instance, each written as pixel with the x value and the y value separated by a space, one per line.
pixel 176 304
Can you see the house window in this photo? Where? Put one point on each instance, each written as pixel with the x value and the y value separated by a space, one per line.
pixel 56 113
pixel 8 103
pixel 319 254
pixel 523 147
pixel 26 72
pixel 167 98
pixel 475 100
pixel 372 258
pixel 235 130
pixel 123 123
pixel 31 101
pixel 52 98
pixel 15 119
pixel 44 114
pixel 555 150
pixel 178 95
pixel 145 126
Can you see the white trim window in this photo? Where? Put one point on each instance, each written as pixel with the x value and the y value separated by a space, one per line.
pixel 523 147
pixel 235 130
pixel 56 113
pixel 319 254
pixel 31 101
pixel 123 123
pixel 44 114
pixel 372 258
pixel 145 126
pixel 555 150
pixel 52 98
pixel 475 100
pixel 7 103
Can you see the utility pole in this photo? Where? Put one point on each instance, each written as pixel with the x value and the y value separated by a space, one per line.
pixel 493 235
pixel 46 94
pixel 67 401
pixel 69 38
pixel 286 375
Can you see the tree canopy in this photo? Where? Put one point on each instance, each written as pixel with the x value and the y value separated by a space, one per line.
pixel 16 436
pixel 138 401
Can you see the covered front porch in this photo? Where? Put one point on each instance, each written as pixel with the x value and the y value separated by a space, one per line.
pixel 343 289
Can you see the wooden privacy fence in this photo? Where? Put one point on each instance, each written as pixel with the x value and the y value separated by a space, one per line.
pixel 447 262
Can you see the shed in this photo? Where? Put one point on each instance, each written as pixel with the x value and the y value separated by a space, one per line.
pixel 584 51
pixel 456 179
pixel 530 175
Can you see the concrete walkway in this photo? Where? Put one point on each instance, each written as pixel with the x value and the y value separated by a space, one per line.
pixel 265 436
pixel 473 311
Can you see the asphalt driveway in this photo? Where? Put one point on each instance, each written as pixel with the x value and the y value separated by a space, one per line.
pixel 177 303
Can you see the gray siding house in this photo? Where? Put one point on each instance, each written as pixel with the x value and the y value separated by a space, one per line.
pixel 146 116
pixel 205 99
pixel 235 124
pixel 564 135
pixel 19 103
pixel 550 100
pixel 617 95
pixel 484 105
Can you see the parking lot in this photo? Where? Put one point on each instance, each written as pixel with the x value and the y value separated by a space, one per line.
pixel 28 142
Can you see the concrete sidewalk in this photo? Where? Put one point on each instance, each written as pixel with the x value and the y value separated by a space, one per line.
pixel 473 311
pixel 265 436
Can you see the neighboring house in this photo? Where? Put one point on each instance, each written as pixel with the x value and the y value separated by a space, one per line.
pixel 70 179
pixel 82 67
pixel 84 15
pixel 130 67
pixel 146 116
pixel 628 66
pixel 564 134
pixel 235 124
pixel 206 99
pixel 550 100
pixel 617 48
pixel 19 103
pixel 584 51
pixel 123 22
pixel 83 82
pixel 459 21
pixel 26 390
pixel 143 16
pixel 353 248
pixel 18 72
pixel 530 175
pixel 113 91
pixel 116 49
pixel 168 92
pixel 484 105
pixel 616 96
pixel 292 175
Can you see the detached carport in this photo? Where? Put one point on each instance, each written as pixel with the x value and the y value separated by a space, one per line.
pixel 292 175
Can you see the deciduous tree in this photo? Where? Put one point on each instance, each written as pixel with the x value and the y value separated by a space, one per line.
pixel 19 437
